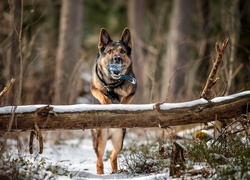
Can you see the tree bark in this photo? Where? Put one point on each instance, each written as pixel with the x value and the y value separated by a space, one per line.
pixel 126 116
pixel 68 52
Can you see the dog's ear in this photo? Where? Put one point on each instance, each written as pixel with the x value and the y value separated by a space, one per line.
pixel 126 37
pixel 104 39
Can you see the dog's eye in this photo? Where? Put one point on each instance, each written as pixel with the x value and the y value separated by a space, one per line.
pixel 123 51
pixel 109 51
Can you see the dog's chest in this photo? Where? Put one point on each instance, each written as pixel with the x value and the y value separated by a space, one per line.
pixel 114 97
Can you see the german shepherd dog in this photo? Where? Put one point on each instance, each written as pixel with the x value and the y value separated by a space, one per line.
pixel 113 82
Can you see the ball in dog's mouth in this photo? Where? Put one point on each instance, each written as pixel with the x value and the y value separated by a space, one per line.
pixel 115 70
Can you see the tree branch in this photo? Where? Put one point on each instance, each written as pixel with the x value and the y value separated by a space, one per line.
pixel 5 91
pixel 211 80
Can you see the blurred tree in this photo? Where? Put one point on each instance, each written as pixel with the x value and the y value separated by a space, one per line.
pixel 67 56
pixel 242 79
pixel 179 51
pixel 136 15
pixel 45 89
pixel 148 21
pixel 13 61
pixel 4 33
pixel 231 24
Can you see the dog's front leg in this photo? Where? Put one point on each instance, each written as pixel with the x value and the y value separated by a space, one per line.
pixel 127 100
pixel 100 96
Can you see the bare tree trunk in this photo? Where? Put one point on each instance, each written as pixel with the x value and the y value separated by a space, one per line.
pixel 178 53
pixel 68 51
pixel 136 14
pixel 13 60
pixel 43 94
pixel 230 19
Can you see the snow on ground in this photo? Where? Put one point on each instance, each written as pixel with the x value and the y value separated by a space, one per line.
pixel 79 158
pixel 73 151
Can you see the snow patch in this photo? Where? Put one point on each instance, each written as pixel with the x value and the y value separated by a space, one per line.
pixel 209 133
pixel 108 107
pixel 78 108
pixel 20 109
pixel 168 106
pixel 224 98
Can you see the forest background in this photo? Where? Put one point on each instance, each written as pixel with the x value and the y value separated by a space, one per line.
pixel 50 47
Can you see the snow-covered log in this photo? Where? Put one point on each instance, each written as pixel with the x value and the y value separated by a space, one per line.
pixel 86 116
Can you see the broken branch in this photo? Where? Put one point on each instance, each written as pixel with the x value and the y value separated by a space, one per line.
pixel 211 80
pixel 7 88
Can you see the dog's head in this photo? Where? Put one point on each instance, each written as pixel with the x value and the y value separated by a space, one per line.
pixel 114 56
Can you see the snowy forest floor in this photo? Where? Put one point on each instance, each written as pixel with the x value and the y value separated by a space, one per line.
pixel 70 155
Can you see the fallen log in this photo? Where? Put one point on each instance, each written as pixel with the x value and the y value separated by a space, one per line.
pixel 87 116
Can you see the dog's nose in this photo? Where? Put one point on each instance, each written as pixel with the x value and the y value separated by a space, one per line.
pixel 117 59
